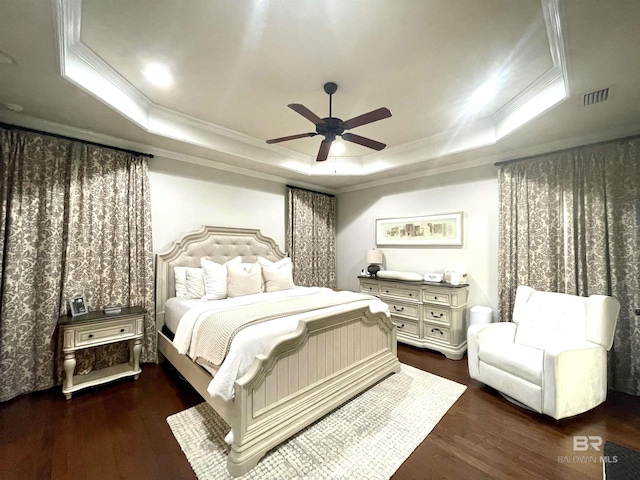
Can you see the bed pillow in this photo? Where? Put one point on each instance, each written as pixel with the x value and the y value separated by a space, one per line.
pixel 243 279
pixel 194 283
pixel 277 275
pixel 215 279
pixel 180 275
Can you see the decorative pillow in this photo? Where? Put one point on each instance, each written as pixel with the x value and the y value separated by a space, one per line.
pixel 277 275
pixel 215 279
pixel 194 283
pixel 243 279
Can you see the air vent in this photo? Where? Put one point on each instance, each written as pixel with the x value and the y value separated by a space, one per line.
pixel 598 96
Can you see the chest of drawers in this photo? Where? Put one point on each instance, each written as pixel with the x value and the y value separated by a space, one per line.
pixel 426 314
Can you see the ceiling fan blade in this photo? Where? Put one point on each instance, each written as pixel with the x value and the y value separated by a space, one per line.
pixel 292 137
pixel 306 113
pixel 323 153
pixel 367 142
pixel 365 118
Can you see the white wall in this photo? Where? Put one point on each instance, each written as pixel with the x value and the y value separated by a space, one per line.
pixel 186 196
pixel 473 192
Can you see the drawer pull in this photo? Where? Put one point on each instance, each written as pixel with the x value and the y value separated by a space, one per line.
pixel 91 335
pixel 437 330
pixel 122 330
pixel 401 309
pixel 437 316
pixel 435 298
pixel 411 294
pixel 400 326
pixel 386 291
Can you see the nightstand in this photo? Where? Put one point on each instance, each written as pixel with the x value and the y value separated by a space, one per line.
pixel 98 328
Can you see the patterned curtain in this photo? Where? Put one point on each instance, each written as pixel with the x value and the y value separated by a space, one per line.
pixel 110 257
pixel 74 219
pixel 311 235
pixel 530 231
pixel 35 174
pixel 570 222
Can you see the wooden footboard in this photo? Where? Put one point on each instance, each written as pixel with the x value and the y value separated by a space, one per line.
pixel 305 375
pixel 300 377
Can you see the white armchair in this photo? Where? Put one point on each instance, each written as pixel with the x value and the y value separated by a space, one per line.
pixel 552 357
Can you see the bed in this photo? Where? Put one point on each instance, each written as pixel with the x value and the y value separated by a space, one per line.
pixel 331 355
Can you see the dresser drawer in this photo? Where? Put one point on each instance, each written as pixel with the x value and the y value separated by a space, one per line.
pixel 407 328
pixel 403 309
pixel 400 292
pixel 431 296
pixel 106 333
pixel 437 333
pixel 434 314
pixel 369 287
pixel 452 297
pixel 426 314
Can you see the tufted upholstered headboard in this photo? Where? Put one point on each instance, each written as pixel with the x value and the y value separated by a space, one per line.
pixel 218 244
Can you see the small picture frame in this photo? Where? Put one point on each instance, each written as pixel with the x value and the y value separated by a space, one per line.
pixel 78 305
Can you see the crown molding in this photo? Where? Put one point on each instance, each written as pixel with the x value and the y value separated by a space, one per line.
pixel 574 142
pixel 91 136
pixel 81 66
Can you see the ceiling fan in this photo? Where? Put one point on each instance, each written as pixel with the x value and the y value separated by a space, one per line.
pixel 331 127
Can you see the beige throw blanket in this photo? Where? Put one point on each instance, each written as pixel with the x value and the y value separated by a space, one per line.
pixel 212 339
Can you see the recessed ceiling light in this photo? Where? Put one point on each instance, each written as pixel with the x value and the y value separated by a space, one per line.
pixel 158 75
pixel 4 58
pixel 13 107
pixel 485 93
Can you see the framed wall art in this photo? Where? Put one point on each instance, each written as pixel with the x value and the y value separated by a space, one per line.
pixel 430 230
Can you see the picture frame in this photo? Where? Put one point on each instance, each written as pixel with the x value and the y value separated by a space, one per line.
pixel 78 305
pixel 444 229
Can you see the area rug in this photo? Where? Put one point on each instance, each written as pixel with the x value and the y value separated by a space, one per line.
pixel 368 437
pixel 620 463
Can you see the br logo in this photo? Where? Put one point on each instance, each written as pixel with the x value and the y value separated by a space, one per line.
pixel 582 443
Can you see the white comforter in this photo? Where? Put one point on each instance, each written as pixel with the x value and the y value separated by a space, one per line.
pixel 252 340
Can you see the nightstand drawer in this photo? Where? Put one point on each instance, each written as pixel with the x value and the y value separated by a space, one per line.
pixel 407 328
pixel 437 333
pixel 367 287
pixel 404 309
pixel 433 314
pixel 106 333
pixel 393 291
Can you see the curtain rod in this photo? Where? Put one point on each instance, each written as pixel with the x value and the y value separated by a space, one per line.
pixel 64 137
pixel 531 157
pixel 307 190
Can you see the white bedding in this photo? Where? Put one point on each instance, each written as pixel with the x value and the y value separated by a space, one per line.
pixel 254 339
pixel 175 308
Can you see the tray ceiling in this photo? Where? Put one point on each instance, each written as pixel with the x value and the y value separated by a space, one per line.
pixel 235 66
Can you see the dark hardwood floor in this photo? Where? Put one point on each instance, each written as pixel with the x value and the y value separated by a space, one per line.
pixel 118 431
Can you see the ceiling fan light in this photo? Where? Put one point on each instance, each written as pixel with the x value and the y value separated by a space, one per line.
pixel 337 148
